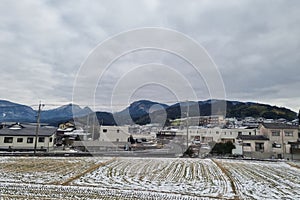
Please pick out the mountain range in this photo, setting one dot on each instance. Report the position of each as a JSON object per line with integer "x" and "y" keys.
{"x": 233, "y": 109}
{"x": 141, "y": 112}
{"x": 13, "y": 112}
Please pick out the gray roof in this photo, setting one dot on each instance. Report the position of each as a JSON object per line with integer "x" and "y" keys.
{"x": 279, "y": 126}
{"x": 28, "y": 131}
{"x": 252, "y": 137}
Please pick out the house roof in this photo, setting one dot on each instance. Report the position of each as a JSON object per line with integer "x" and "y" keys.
{"x": 252, "y": 137}
{"x": 27, "y": 131}
{"x": 279, "y": 126}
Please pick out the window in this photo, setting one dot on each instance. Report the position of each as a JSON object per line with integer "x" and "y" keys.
{"x": 8, "y": 139}
{"x": 104, "y": 130}
{"x": 288, "y": 133}
{"x": 275, "y": 145}
{"x": 118, "y": 131}
{"x": 30, "y": 140}
{"x": 275, "y": 133}
{"x": 259, "y": 146}
{"x": 50, "y": 139}
{"x": 207, "y": 139}
{"x": 217, "y": 132}
{"x": 247, "y": 144}
{"x": 19, "y": 140}
{"x": 41, "y": 139}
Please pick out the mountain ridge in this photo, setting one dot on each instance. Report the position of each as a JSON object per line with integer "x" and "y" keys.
{"x": 141, "y": 112}
{"x": 14, "y": 112}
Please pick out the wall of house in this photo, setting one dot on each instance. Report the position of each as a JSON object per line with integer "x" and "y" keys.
{"x": 258, "y": 155}
{"x": 281, "y": 140}
{"x": 26, "y": 142}
{"x": 250, "y": 146}
{"x": 216, "y": 134}
{"x": 114, "y": 134}
{"x": 269, "y": 151}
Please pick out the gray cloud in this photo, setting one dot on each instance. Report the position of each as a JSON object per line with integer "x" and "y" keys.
{"x": 255, "y": 45}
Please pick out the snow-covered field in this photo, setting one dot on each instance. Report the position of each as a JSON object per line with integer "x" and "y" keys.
{"x": 146, "y": 178}
{"x": 264, "y": 180}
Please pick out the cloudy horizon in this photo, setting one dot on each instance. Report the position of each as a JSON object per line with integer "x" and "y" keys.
{"x": 255, "y": 46}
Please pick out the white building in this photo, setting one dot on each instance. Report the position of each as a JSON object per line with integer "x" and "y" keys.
{"x": 21, "y": 137}
{"x": 210, "y": 121}
{"x": 121, "y": 134}
{"x": 114, "y": 134}
{"x": 205, "y": 135}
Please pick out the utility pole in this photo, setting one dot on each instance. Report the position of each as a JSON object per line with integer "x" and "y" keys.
{"x": 37, "y": 127}
{"x": 94, "y": 126}
{"x": 187, "y": 125}
{"x": 283, "y": 146}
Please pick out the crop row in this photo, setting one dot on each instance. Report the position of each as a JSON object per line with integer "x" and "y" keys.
{"x": 183, "y": 176}
{"x": 42, "y": 170}
{"x": 264, "y": 180}
{"x": 146, "y": 178}
{"x": 38, "y": 191}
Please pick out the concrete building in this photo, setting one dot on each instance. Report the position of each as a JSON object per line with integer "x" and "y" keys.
{"x": 280, "y": 137}
{"x": 205, "y": 135}
{"x": 209, "y": 121}
{"x": 18, "y": 137}
{"x": 114, "y": 133}
{"x": 213, "y": 120}
{"x": 121, "y": 134}
{"x": 254, "y": 146}
{"x": 114, "y": 138}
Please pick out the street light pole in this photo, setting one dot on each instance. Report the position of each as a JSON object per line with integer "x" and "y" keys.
{"x": 37, "y": 127}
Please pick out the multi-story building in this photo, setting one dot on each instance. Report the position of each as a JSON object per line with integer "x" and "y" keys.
{"x": 280, "y": 136}
{"x": 212, "y": 121}
{"x": 205, "y": 135}
{"x": 255, "y": 146}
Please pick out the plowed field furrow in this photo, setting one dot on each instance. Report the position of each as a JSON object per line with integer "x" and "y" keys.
{"x": 146, "y": 178}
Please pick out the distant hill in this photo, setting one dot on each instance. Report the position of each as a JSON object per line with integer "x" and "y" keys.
{"x": 13, "y": 112}
{"x": 141, "y": 112}
{"x": 138, "y": 109}
{"x": 255, "y": 110}
{"x": 64, "y": 113}
{"x": 233, "y": 109}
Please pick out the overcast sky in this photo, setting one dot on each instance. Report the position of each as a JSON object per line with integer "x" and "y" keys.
{"x": 254, "y": 44}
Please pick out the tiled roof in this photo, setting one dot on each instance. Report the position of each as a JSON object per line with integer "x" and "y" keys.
{"x": 279, "y": 126}
{"x": 252, "y": 137}
{"x": 27, "y": 131}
